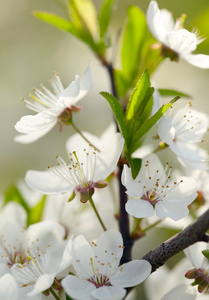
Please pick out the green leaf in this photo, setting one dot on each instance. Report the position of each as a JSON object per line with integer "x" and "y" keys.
{"x": 36, "y": 212}
{"x": 136, "y": 143}
{"x": 133, "y": 40}
{"x": 139, "y": 106}
{"x": 118, "y": 112}
{"x": 105, "y": 15}
{"x": 135, "y": 164}
{"x": 137, "y": 97}
{"x": 172, "y": 93}
{"x": 76, "y": 28}
{"x": 84, "y": 15}
{"x": 13, "y": 194}
{"x": 54, "y": 20}
{"x": 206, "y": 253}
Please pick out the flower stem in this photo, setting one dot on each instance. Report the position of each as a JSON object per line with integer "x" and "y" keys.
{"x": 136, "y": 226}
{"x": 151, "y": 226}
{"x": 81, "y": 134}
{"x": 97, "y": 214}
{"x": 53, "y": 293}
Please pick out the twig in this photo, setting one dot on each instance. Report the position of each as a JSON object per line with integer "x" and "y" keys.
{"x": 196, "y": 232}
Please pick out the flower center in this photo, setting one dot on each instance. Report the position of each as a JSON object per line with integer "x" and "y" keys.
{"x": 159, "y": 185}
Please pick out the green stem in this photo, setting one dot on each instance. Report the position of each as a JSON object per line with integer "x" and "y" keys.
{"x": 136, "y": 226}
{"x": 97, "y": 214}
{"x": 151, "y": 226}
{"x": 81, "y": 134}
{"x": 53, "y": 293}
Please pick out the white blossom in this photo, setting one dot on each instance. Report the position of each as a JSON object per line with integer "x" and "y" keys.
{"x": 87, "y": 167}
{"x": 52, "y": 107}
{"x": 99, "y": 275}
{"x": 176, "y": 41}
{"x": 182, "y": 132}
{"x": 154, "y": 190}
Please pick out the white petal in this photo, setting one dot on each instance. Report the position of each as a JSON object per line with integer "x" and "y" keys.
{"x": 34, "y": 127}
{"x": 77, "y": 288}
{"x": 66, "y": 257}
{"x": 132, "y": 185}
{"x": 166, "y": 131}
{"x": 47, "y": 231}
{"x": 167, "y": 19}
{"x": 131, "y": 273}
{"x": 77, "y": 89}
{"x": 139, "y": 208}
{"x": 81, "y": 254}
{"x": 193, "y": 253}
{"x": 198, "y": 60}
{"x": 109, "y": 293}
{"x": 182, "y": 41}
{"x": 108, "y": 158}
{"x": 155, "y": 22}
{"x": 181, "y": 292}
{"x": 108, "y": 243}
{"x": 172, "y": 209}
{"x": 43, "y": 283}
{"x": 8, "y": 288}
{"x": 47, "y": 182}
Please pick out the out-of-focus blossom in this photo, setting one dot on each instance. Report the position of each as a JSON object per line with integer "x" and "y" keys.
{"x": 175, "y": 40}
{"x": 99, "y": 275}
{"x": 52, "y": 108}
{"x": 8, "y": 288}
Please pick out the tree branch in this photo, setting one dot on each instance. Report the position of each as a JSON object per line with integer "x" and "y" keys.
{"x": 195, "y": 232}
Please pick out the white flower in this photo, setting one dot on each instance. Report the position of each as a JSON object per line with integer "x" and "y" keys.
{"x": 52, "y": 107}
{"x": 44, "y": 261}
{"x": 182, "y": 132}
{"x": 176, "y": 42}
{"x": 153, "y": 189}
{"x": 98, "y": 270}
{"x": 82, "y": 174}
{"x": 8, "y": 288}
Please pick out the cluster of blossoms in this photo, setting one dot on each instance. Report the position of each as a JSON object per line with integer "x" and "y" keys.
{"x": 50, "y": 258}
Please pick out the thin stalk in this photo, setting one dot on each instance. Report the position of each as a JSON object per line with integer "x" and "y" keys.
{"x": 151, "y": 226}
{"x": 136, "y": 226}
{"x": 97, "y": 214}
{"x": 53, "y": 293}
{"x": 81, "y": 134}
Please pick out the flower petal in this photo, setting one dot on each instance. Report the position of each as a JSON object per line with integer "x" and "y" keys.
{"x": 8, "y": 288}
{"x": 155, "y": 22}
{"x": 174, "y": 210}
{"x": 181, "y": 41}
{"x": 131, "y": 273}
{"x": 197, "y": 60}
{"x": 77, "y": 288}
{"x": 181, "y": 292}
{"x": 43, "y": 283}
{"x": 139, "y": 208}
{"x": 133, "y": 186}
{"x": 81, "y": 254}
{"x": 108, "y": 158}
{"x": 47, "y": 182}
{"x": 109, "y": 293}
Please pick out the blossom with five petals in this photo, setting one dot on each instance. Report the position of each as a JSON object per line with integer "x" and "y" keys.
{"x": 98, "y": 270}
{"x": 176, "y": 42}
{"x": 52, "y": 108}
{"x": 153, "y": 189}
{"x": 82, "y": 174}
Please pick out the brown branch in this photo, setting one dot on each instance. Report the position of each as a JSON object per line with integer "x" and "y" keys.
{"x": 195, "y": 232}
